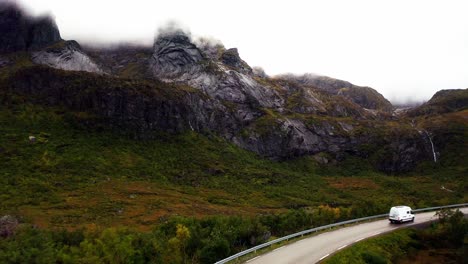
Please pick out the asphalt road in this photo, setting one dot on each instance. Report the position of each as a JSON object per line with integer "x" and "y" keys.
{"x": 317, "y": 248}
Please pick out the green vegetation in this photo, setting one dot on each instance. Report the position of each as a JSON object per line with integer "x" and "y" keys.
{"x": 443, "y": 242}
{"x": 75, "y": 183}
{"x": 74, "y": 176}
{"x": 444, "y": 101}
{"x": 93, "y": 182}
{"x": 176, "y": 240}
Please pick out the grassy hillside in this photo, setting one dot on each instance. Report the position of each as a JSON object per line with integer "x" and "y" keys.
{"x": 74, "y": 176}
{"x": 99, "y": 195}
{"x": 442, "y": 102}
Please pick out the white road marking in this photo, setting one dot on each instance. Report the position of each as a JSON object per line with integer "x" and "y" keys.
{"x": 342, "y": 247}
{"x": 279, "y": 248}
{"x": 324, "y": 256}
{"x": 359, "y": 239}
{"x": 252, "y": 259}
{"x": 376, "y": 233}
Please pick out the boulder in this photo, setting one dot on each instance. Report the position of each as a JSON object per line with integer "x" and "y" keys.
{"x": 8, "y": 225}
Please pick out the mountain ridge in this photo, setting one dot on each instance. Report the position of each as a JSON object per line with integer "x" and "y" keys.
{"x": 280, "y": 117}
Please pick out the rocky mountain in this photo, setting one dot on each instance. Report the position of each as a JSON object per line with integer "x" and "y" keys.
{"x": 182, "y": 84}
{"x": 22, "y": 32}
{"x": 66, "y": 55}
{"x": 443, "y": 101}
{"x": 363, "y": 96}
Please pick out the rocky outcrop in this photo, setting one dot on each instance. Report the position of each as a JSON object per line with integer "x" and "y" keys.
{"x": 175, "y": 56}
{"x": 177, "y": 59}
{"x": 288, "y": 138}
{"x": 67, "y": 56}
{"x": 137, "y": 107}
{"x": 21, "y": 32}
{"x": 364, "y": 96}
{"x": 232, "y": 59}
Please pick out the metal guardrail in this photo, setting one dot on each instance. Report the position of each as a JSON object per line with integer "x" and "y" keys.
{"x": 308, "y": 231}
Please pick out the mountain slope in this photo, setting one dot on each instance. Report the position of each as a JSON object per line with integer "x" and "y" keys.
{"x": 364, "y": 96}
{"x": 182, "y": 152}
{"x": 183, "y": 85}
{"x": 443, "y": 101}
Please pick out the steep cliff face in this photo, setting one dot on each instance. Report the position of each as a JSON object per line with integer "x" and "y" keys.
{"x": 137, "y": 107}
{"x": 67, "y": 56}
{"x": 21, "y": 32}
{"x": 177, "y": 59}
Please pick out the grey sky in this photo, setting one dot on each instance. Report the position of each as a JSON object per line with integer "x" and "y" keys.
{"x": 407, "y": 50}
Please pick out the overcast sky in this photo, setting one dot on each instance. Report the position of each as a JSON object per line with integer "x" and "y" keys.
{"x": 407, "y": 50}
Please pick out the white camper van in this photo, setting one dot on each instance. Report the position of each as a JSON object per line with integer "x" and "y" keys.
{"x": 400, "y": 214}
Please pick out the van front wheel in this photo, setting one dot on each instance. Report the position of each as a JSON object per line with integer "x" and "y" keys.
{"x": 412, "y": 219}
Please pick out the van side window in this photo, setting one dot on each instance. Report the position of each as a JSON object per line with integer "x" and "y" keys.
{"x": 407, "y": 212}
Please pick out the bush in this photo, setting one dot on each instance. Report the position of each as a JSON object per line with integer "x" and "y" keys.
{"x": 373, "y": 258}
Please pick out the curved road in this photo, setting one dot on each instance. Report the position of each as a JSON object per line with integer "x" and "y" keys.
{"x": 317, "y": 248}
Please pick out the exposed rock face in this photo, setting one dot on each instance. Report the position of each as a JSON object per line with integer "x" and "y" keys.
{"x": 231, "y": 58}
{"x": 66, "y": 56}
{"x": 363, "y": 96}
{"x": 174, "y": 55}
{"x": 137, "y": 107}
{"x": 20, "y": 32}
{"x": 176, "y": 59}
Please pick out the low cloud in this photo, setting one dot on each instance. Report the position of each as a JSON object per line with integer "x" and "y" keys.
{"x": 173, "y": 27}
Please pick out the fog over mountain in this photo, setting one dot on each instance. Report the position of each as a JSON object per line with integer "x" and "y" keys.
{"x": 407, "y": 51}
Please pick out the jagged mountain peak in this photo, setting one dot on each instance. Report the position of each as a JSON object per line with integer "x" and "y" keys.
{"x": 66, "y": 55}
{"x": 174, "y": 54}
{"x": 20, "y": 31}
{"x": 177, "y": 36}
{"x": 232, "y": 59}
